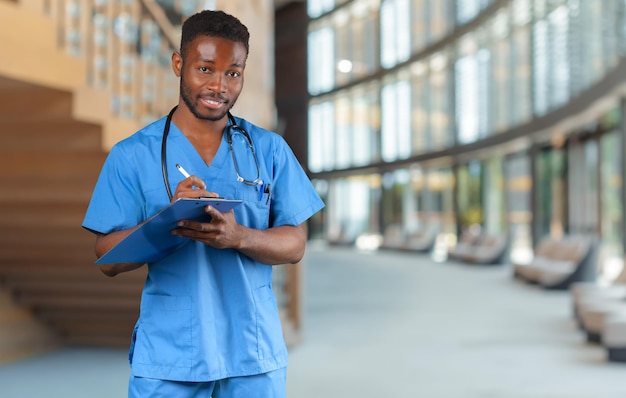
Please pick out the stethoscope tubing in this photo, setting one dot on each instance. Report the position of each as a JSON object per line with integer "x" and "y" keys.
{"x": 233, "y": 126}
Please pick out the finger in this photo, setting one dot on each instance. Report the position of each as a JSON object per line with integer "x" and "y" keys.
{"x": 193, "y": 225}
{"x": 194, "y": 181}
{"x": 207, "y": 194}
{"x": 190, "y": 182}
{"x": 214, "y": 213}
{"x": 196, "y": 193}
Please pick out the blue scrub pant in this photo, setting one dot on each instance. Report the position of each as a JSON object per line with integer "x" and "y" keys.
{"x": 265, "y": 385}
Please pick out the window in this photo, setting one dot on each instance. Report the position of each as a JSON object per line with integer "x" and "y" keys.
{"x": 364, "y": 57}
{"x": 365, "y": 124}
{"x": 395, "y": 31}
{"x": 315, "y": 8}
{"x": 472, "y": 74}
{"x": 420, "y": 109}
{"x": 321, "y": 136}
{"x": 441, "y": 21}
{"x": 520, "y": 101}
{"x": 494, "y": 199}
{"x": 549, "y": 217}
{"x": 583, "y": 187}
{"x": 321, "y": 60}
{"x": 440, "y": 110}
{"x": 343, "y": 132}
{"x": 395, "y": 118}
{"x": 552, "y": 60}
{"x": 349, "y": 207}
{"x": 470, "y": 193}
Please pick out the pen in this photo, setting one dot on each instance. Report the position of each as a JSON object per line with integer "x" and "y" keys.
{"x": 182, "y": 171}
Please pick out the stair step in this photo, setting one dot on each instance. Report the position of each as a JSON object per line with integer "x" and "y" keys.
{"x": 23, "y": 101}
{"x": 91, "y": 340}
{"x": 55, "y": 236}
{"x": 28, "y": 164}
{"x": 27, "y": 337}
{"x": 24, "y": 253}
{"x": 59, "y": 135}
{"x": 59, "y": 317}
{"x": 49, "y": 176}
{"x": 39, "y": 190}
{"x": 73, "y": 273}
{"x": 69, "y": 303}
{"x": 58, "y": 288}
{"x": 49, "y": 213}
{"x": 13, "y": 315}
{"x": 46, "y": 183}
{"x": 120, "y": 327}
{"x": 51, "y": 256}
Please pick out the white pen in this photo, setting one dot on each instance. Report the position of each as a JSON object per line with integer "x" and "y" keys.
{"x": 182, "y": 171}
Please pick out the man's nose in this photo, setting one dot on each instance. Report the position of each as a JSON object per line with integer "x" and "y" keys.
{"x": 216, "y": 82}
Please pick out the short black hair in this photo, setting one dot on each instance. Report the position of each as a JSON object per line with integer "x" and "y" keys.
{"x": 214, "y": 24}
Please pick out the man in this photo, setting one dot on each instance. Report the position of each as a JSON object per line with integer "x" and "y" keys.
{"x": 209, "y": 324}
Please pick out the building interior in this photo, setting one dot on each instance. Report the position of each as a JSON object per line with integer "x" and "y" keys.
{"x": 476, "y": 144}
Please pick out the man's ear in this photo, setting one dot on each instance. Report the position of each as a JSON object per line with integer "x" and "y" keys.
{"x": 177, "y": 63}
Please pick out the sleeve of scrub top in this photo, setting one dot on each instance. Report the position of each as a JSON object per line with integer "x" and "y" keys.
{"x": 116, "y": 202}
{"x": 293, "y": 198}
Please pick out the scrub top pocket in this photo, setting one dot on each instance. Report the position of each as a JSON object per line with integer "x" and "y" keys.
{"x": 254, "y": 212}
{"x": 270, "y": 340}
{"x": 164, "y": 337}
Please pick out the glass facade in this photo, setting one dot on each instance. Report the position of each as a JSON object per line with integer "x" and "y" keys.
{"x": 414, "y": 90}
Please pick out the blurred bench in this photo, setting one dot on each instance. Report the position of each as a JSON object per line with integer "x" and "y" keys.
{"x": 558, "y": 263}
{"x": 614, "y": 338}
{"x": 600, "y": 312}
{"x": 476, "y": 248}
{"x": 422, "y": 240}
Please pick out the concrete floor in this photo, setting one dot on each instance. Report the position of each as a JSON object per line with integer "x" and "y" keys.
{"x": 392, "y": 325}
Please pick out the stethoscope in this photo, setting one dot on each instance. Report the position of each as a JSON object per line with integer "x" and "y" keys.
{"x": 231, "y": 129}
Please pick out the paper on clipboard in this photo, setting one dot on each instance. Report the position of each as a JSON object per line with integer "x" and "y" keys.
{"x": 153, "y": 239}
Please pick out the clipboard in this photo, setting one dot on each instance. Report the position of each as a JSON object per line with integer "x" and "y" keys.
{"x": 153, "y": 239}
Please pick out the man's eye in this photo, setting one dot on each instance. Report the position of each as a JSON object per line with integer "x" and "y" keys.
{"x": 204, "y": 69}
{"x": 234, "y": 74}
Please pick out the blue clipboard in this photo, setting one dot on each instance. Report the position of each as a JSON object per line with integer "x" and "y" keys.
{"x": 153, "y": 239}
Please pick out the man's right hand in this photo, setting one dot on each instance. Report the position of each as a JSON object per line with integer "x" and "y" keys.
{"x": 192, "y": 187}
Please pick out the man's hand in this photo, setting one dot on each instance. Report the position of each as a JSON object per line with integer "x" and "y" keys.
{"x": 277, "y": 245}
{"x": 192, "y": 187}
{"x": 221, "y": 232}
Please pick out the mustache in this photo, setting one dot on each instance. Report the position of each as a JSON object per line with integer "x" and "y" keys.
{"x": 214, "y": 97}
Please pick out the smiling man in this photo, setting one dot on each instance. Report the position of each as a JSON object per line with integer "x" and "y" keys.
{"x": 209, "y": 323}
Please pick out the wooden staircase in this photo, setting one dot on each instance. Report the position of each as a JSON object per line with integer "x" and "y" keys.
{"x": 49, "y": 163}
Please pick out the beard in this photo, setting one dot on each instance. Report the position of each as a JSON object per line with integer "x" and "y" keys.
{"x": 186, "y": 95}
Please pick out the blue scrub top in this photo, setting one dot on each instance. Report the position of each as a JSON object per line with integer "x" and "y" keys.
{"x": 206, "y": 314}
